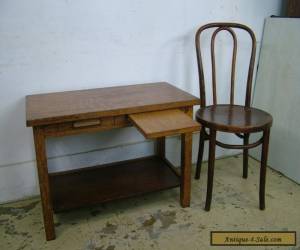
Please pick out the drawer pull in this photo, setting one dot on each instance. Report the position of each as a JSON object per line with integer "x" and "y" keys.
{"x": 87, "y": 123}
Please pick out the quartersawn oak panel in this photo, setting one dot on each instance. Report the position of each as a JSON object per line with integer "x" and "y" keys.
{"x": 164, "y": 123}
{"x": 66, "y": 106}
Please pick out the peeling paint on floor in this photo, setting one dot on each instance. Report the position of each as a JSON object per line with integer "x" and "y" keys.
{"x": 156, "y": 221}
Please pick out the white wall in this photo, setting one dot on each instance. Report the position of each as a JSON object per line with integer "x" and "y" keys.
{"x": 64, "y": 45}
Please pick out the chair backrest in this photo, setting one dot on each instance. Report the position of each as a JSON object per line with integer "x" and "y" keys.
{"x": 226, "y": 27}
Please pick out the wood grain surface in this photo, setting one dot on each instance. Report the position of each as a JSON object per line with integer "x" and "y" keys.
{"x": 88, "y": 186}
{"x": 234, "y": 118}
{"x": 164, "y": 123}
{"x": 66, "y": 106}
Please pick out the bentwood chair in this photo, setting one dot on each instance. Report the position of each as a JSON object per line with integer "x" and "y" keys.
{"x": 231, "y": 118}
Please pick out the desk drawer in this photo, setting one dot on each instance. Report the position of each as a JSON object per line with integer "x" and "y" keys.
{"x": 95, "y": 124}
{"x": 88, "y": 125}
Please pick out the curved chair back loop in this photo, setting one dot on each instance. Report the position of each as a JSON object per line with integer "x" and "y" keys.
{"x": 229, "y": 28}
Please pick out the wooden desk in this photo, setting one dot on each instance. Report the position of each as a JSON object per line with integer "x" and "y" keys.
{"x": 74, "y": 112}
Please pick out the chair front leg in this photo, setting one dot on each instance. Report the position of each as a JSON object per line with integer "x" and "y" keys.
{"x": 200, "y": 153}
{"x": 245, "y": 157}
{"x": 263, "y": 168}
{"x": 211, "y": 165}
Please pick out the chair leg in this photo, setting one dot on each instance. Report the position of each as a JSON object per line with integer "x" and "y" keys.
{"x": 211, "y": 165}
{"x": 245, "y": 157}
{"x": 200, "y": 154}
{"x": 263, "y": 168}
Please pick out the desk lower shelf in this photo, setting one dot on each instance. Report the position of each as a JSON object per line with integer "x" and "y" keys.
{"x": 98, "y": 184}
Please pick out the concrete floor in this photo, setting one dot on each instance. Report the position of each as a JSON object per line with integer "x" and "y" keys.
{"x": 156, "y": 221}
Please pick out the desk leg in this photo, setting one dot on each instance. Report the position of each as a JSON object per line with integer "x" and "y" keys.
{"x": 41, "y": 160}
{"x": 161, "y": 147}
{"x": 186, "y": 161}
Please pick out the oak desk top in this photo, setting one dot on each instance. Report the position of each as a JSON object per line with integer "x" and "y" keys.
{"x": 59, "y": 107}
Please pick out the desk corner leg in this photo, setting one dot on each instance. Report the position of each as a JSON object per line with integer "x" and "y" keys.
{"x": 42, "y": 168}
{"x": 161, "y": 147}
{"x": 186, "y": 162}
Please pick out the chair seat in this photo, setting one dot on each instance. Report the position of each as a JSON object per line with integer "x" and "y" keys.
{"x": 234, "y": 118}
